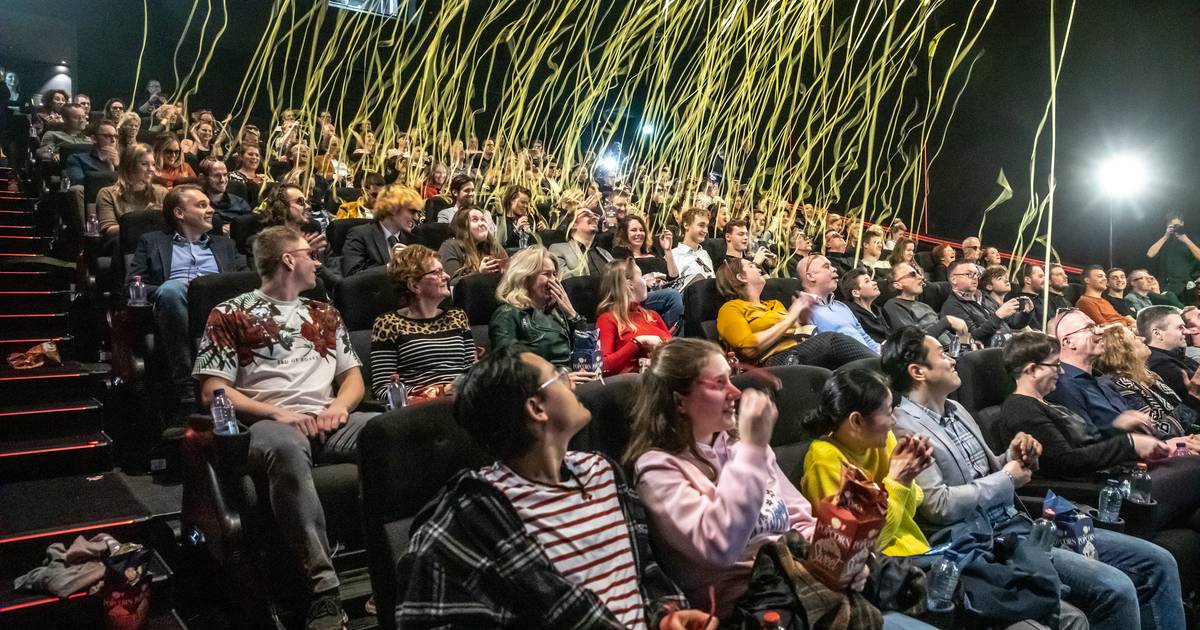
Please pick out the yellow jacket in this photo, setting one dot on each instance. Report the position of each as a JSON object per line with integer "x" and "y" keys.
{"x": 823, "y": 478}
{"x": 352, "y": 210}
{"x": 738, "y": 321}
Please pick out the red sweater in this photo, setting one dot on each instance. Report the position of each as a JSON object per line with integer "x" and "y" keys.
{"x": 621, "y": 352}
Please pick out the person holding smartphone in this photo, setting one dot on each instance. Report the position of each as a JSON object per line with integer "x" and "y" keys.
{"x": 1178, "y": 256}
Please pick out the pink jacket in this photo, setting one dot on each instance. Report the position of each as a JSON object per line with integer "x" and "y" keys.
{"x": 708, "y": 534}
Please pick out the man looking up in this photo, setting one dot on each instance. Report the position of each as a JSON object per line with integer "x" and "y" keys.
{"x": 907, "y": 309}
{"x": 568, "y": 518}
{"x": 820, "y": 280}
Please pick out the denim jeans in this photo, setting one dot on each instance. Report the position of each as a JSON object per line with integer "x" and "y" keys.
{"x": 668, "y": 303}
{"x": 171, "y": 319}
{"x": 1134, "y": 584}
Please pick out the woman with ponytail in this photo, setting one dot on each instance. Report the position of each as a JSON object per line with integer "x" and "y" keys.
{"x": 700, "y": 455}
{"x": 855, "y": 422}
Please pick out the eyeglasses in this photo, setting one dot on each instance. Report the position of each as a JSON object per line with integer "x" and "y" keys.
{"x": 308, "y": 251}
{"x": 1096, "y": 329}
{"x": 170, "y": 152}
{"x": 969, "y": 274}
{"x": 438, "y": 271}
{"x": 1057, "y": 365}
{"x": 912, "y": 274}
{"x": 562, "y": 374}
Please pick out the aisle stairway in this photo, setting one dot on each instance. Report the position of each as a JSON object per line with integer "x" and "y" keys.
{"x": 57, "y": 479}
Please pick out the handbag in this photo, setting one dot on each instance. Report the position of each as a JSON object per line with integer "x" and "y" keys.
{"x": 779, "y": 582}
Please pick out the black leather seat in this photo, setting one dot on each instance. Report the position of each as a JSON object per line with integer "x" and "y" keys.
{"x": 406, "y": 456}
{"x": 241, "y": 228}
{"x": 985, "y": 385}
{"x": 550, "y": 237}
{"x": 476, "y": 295}
{"x": 716, "y": 248}
{"x": 584, "y": 293}
{"x": 611, "y": 404}
{"x": 782, "y": 289}
{"x": 935, "y": 294}
{"x": 361, "y": 298}
{"x": 925, "y": 261}
{"x": 799, "y": 395}
{"x": 701, "y": 302}
{"x": 336, "y": 233}
{"x": 432, "y": 235}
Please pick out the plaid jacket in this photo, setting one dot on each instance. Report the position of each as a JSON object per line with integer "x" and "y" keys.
{"x": 470, "y": 564}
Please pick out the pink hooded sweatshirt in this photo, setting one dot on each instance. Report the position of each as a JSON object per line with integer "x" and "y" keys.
{"x": 708, "y": 533}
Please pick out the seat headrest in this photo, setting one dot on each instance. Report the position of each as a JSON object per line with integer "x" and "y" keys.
{"x": 364, "y": 296}
{"x": 985, "y": 381}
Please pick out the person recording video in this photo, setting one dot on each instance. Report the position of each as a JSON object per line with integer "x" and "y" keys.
{"x": 1178, "y": 257}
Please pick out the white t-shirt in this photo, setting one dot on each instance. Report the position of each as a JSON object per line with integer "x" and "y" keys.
{"x": 280, "y": 353}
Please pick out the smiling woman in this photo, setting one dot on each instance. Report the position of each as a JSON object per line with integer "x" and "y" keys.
{"x": 421, "y": 345}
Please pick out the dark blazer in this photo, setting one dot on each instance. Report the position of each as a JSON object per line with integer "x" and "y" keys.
{"x": 872, "y": 321}
{"x": 1172, "y": 367}
{"x": 152, "y": 258}
{"x": 366, "y": 247}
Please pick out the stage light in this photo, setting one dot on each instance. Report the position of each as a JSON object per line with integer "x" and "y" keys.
{"x": 610, "y": 163}
{"x": 1122, "y": 176}
{"x": 647, "y": 129}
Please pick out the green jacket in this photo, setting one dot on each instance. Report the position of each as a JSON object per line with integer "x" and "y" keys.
{"x": 547, "y": 335}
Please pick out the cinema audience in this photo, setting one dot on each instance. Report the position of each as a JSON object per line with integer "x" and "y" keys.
{"x": 969, "y": 488}
{"x": 472, "y": 249}
{"x": 1123, "y": 365}
{"x": 535, "y": 311}
{"x": 1092, "y": 302}
{"x": 168, "y": 158}
{"x": 859, "y": 292}
{"x": 1115, "y": 295}
{"x": 1163, "y": 329}
{"x": 907, "y": 309}
{"x": 827, "y": 315}
{"x": 996, "y": 289}
{"x": 372, "y": 244}
{"x": 987, "y": 326}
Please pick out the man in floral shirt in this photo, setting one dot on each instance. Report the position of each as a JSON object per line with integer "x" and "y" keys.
{"x": 278, "y": 357}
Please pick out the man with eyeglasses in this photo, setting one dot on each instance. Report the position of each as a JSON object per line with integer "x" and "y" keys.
{"x": 835, "y": 250}
{"x": 966, "y": 303}
{"x": 820, "y": 281}
{"x": 1078, "y": 389}
{"x": 278, "y": 357}
{"x": 568, "y": 520}
{"x": 907, "y": 309}
{"x": 1092, "y": 302}
{"x": 1138, "y": 293}
{"x": 970, "y": 488}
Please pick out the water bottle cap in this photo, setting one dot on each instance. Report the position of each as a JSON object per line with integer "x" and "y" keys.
{"x": 1048, "y": 514}
{"x": 219, "y": 392}
{"x": 1141, "y": 466}
{"x": 771, "y": 617}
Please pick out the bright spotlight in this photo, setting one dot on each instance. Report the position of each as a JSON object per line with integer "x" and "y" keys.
{"x": 647, "y": 129}
{"x": 610, "y": 163}
{"x": 1122, "y": 176}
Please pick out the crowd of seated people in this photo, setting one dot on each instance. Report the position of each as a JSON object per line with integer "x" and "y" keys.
{"x": 1112, "y": 383}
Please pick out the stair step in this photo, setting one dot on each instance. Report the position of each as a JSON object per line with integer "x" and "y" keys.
{"x": 73, "y": 380}
{"x": 82, "y": 454}
{"x": 15, "y": 229}
{"x": 24, "y": 245}
{"x": 49, "y": 419}
{"x": 35, "y": 300}
{"x": 37, "y": 513}
{"x": 35, "y": 281}
{"x": 15, "y": 343}
{"x": 35, "y": 324}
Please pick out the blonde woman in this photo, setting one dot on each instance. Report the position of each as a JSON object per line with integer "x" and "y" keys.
{"x": 127, "y": 130}
{"x": 628, "y": 332}
{"x": 133, "y": 191}
{"x": 1124, "y": 365}
{"x": 535, "y": 311}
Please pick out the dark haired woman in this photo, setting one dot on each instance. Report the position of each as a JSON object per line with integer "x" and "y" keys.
{"x": 473, "y": 249}
{"x": 855, "y": 421}
{"x": 764, "y": 332}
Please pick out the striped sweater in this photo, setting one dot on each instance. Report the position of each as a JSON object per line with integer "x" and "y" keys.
{"x": 422, "y": 351}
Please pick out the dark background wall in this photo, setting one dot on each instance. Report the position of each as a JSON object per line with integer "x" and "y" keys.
{"x": 1131, "y": 82}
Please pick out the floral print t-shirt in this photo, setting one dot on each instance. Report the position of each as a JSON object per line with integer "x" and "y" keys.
{"x": 281, "y": 353}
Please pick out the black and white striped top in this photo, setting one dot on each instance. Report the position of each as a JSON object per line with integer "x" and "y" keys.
{"x": 422, "y": 351}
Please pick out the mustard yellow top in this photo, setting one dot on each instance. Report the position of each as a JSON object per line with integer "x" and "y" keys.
{"x": 738, "y": 321}
{"x": 823, "y": 478}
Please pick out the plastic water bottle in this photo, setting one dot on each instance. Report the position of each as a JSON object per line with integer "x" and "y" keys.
{"x": 1044, "y": 533}
{"x": 1109, "y": 508}
{"x": 92, "y": 225}
{"x": 223, "y": 415}
{"x": 523, "y": 238}
{"x": 1181, "y": 450}
{"x": 137, "y": 292}
{"x": 64, "y": 183}
{"x": 943, "y": 580}
{"x": 397, "y": 394}
{"x": 1139, "y": 485}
